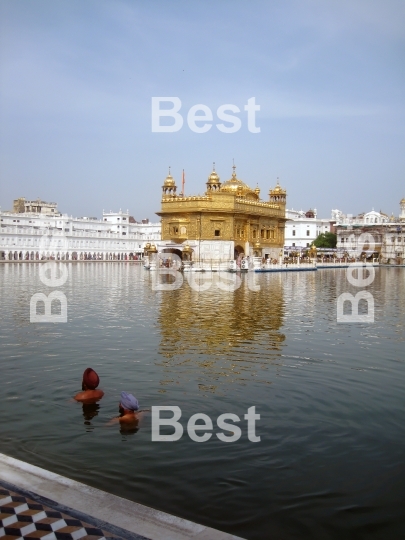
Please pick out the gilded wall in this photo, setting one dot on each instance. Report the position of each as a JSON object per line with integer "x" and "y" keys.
{"x": 229, "y": 211}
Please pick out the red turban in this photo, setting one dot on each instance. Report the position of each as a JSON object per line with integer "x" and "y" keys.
{"x": 91, "y": 379}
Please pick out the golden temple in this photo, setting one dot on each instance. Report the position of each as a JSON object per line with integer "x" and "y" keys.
{"x": 229, "y": 220}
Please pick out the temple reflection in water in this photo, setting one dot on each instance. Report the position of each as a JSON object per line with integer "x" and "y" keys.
{"x": 224, "y": 337}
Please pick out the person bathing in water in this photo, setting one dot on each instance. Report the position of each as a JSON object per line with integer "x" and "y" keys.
{"x": 89, "y": 393}
{"x": 129, "y": 411}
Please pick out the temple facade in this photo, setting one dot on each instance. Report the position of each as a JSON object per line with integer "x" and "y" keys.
{"x": 228, "y": 221}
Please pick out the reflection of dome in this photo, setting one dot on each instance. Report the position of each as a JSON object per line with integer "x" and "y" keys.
{"x": 239, "y": 320}
{"x": 234, "y": 185}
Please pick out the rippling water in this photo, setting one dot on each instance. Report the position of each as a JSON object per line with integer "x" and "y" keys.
{"x": 330, "y": 464}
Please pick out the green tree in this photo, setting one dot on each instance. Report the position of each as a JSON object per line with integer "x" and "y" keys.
{"x": 325, "y": 240}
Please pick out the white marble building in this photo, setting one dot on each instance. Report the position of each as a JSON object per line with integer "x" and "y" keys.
{"x": 386, "y": 235}
{"x": 36, "y": 236}
{"x": 302, "y": 228}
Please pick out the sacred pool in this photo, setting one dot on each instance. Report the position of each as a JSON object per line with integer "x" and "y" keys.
{"x": 330, "y": 460}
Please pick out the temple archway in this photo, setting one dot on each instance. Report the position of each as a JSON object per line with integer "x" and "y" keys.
{"x": 178, "y": 252}
{"x": 238, "y": 251}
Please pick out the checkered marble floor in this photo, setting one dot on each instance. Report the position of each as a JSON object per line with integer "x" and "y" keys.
{"x": 24, "y": 518}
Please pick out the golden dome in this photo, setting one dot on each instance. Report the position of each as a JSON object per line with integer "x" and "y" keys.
{"x": 277, "y": 191}
{"x": 213, "y": 178}
{"x": 234, "y": 185}
{"x": 187, "y": 249}
{"x": 169, "y": 181}
{"x": 278, "y": 188}
{"x": 402, "y": 201}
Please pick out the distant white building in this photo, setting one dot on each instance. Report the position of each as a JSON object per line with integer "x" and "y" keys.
{"x": 37, "y": 236}
{"x": 302, "y": 228}
{"x": 369, "y": 218}
{"x": 386, "y": 235}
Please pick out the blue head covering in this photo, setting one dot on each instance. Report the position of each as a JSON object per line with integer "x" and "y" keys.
{"x": 129, "y": 402}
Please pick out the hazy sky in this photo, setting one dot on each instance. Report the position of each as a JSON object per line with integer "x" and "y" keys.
{"x": 78, "y": 77}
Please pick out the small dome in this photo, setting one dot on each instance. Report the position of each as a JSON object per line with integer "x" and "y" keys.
{"x": 278, "y": 190}
{"x": 213, "y": 178}
{"x": 402, "y": 201}
{"x": 169, "y": 181}
{"x": 187, "y": 249}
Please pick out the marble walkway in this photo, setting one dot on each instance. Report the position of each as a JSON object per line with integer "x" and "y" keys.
{"x": 36, "y": 503}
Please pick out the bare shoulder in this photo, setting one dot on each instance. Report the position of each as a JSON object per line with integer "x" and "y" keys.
{"x": 89, "y": 396}
{"x": 129, "y": 419}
